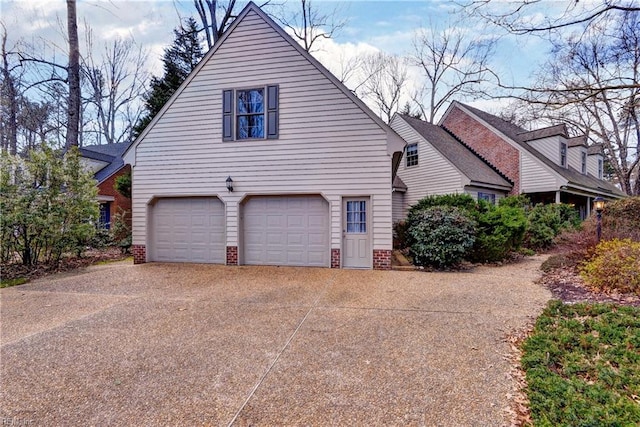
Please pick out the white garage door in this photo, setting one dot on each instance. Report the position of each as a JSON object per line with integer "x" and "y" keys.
{"x": 286, "y": 230}
{"x": 188, "y": 230}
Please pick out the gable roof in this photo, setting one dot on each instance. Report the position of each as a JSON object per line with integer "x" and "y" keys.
{"x": 518, "y": 136}
{"x": 395, "y": 144}
{"x": 110, "y": 153}
{"x": 465, "y": 160}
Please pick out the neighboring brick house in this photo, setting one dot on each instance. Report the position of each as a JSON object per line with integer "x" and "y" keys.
{"x": 105, "y": 161}
{"x": 545, "y": 164}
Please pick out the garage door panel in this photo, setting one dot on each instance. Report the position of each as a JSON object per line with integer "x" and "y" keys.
{"x": 286, "y": 230}
{"x": 188, "y": 230}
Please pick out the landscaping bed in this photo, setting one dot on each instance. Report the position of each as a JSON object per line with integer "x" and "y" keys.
{"x": 16, "y": 273}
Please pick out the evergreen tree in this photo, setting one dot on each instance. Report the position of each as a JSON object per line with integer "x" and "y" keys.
{"x": 179, "y": 60}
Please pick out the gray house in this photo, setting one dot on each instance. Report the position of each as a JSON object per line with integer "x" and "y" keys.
{"x": 262, "y": 156}
{"x": 436, "y": 163}
{"x": 545, "y": 164}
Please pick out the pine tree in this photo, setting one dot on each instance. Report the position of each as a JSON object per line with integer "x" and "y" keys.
{"x": 179, "y": 60}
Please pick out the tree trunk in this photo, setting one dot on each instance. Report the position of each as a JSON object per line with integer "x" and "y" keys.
{"x": 11, "y": 131}
{"x": 73, "y": 109}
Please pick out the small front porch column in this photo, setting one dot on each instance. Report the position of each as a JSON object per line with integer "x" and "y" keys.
{"x": 557, "y": 198}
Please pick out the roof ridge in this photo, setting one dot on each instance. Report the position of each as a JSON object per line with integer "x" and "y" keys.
{"x": 478, "y": 155}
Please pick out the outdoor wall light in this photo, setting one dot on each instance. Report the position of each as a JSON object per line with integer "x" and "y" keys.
{"x": 598, "y": 206}
{"x": 229, "y": 182}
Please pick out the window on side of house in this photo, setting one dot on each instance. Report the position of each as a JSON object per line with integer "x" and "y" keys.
{"x": 250, "y": 113}
{"x": 600, "y": 168}
{"x": 104, "y": 221}
{"x": 487, "y": 197}
{"x": 563, "y": 154}
{"x": 412, "y": 155}
{"x": 584, "y": 163}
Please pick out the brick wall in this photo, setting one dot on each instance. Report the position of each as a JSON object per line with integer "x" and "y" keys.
{"x": 106, "y": 188}
{"x": 382, "y": 259}
{"x": 139, "y": 254}
{"x": 232, "y": 255}
{"x": 483, "y": 141}
{"x": 335, "y": 258}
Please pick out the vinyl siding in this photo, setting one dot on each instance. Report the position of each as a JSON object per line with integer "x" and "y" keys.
{"x": 398, "y": 209}
{"x": 592, "y": 164}
{"x": 549, "y": 147}
{"x": 575, "y": 157}
{"x": 327, "y": 145}
{"x": 535, "y": 178}
{"x": 433, "y": 175}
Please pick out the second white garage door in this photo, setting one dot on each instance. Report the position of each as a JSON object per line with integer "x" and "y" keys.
{"x": 286, "y": 230}
{"x": 188, "y": 229}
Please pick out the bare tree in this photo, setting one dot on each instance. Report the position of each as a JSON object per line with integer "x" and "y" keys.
{"x": 309, "y": 24}
{"x": 9, "y": 103}
{"x": 452, "y": 63}
{"x": 593, "y": 83}
{"x": 115, "y": 85}
{"x": 516, "y": 18}
{"x": 73, "y": 70}
{"x": 215, "y": 16}
{"x": 384, "y": 83}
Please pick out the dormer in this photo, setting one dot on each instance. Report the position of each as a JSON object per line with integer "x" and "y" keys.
{"x": 551, "y": 141}
{"x": 595, "y": 161}
{"x": 577, "y": 147}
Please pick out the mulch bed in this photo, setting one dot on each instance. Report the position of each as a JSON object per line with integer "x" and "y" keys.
{"x": 566, "y": 285}
{"x": 90, "y": 257}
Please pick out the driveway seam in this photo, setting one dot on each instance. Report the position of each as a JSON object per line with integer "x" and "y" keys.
{"x": 275, "y": 360}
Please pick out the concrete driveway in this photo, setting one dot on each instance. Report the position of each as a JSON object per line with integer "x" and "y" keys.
{"x": 169, "y": 344}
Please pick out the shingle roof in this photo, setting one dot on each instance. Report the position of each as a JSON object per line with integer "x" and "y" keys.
{"x": 544, "y": 132}
{"x": 465, "y": 160}
{"x": 515, "y": 133}
{"x": 399, "y": 184}
{"x": 111, "y": 153}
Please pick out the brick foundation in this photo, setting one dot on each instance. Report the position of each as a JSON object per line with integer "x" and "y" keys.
{"x": 335, "y": 258}
{"x": 139, "y": 254}
{"x": 232, "y": 255}
{"x": 382, "y": 259}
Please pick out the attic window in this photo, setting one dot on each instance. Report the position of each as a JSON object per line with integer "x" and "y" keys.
{"x": 563, "y": 154}
{"x": 584, "y": 162}
{"x": 250, "y": 113}
{"x": 412, "y": 155}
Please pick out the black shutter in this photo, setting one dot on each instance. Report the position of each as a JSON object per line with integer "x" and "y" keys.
{"x": 272, "y": 112}
{"x": 227, "y": 115}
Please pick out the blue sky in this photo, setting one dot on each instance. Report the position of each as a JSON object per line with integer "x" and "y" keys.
{"x": 371, "y": 25}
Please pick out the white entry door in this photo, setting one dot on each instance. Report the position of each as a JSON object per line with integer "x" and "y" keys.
{"x": 356, "y": 232}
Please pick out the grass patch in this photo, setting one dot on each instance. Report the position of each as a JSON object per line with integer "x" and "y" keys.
{"x": 6, "y": 283}
{"x": 111, "y": 261}
{"x": 582, "y": 365}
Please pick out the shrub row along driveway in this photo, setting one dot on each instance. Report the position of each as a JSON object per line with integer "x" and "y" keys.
{"x": 161, "y": 344}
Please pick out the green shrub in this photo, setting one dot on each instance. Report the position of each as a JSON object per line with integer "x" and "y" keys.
{"x": 614, "y": 266}
{"x": 546, "y": 222}
{"x": 500, "y": 231}
{"x": 519, "y": 201}
{"x": 120, "y": 231}
{"x": 400, "y": 236}
{"x": 123, "y": 185}
{"x": 441, "y": 236}
{"x": 462, "y": 201}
